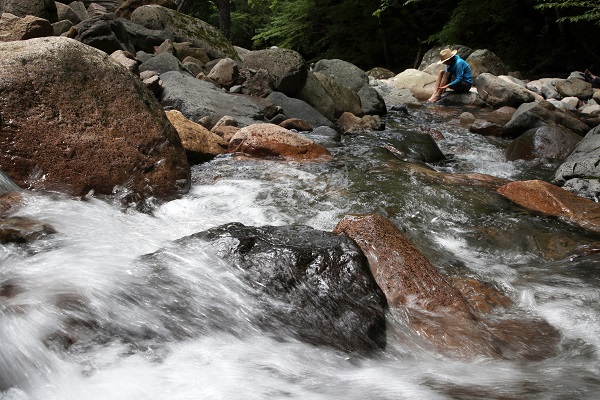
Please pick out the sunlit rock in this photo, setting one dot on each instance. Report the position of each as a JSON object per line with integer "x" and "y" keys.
{"x": 199, "y": 143}
{"x": 273, "y": 141}
{"x": 549, "y": 199}
{"x": 498, "y": 92}
{"x": 28, "y": 27}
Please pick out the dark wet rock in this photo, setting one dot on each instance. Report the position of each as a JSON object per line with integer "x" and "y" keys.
{"x": 314, "y": 282}
{"x": 546, "y": 142}
{"x": 486, "y": 128}
{"x": 419, "y": 147}
{"x": 22, "y": 230}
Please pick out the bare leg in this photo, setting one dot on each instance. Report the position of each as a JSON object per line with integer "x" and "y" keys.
{"x": 442, "y": 80}
{"x": 589, "y": 74}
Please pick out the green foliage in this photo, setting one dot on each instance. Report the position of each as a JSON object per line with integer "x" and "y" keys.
{"x": 584, "y": 10}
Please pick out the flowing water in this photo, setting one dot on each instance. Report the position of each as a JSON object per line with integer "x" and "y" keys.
{"x": 81, "y": 317}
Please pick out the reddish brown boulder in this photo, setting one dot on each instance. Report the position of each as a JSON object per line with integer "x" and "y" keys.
{"x": 273, "y": 141}
{"x": 297, "y": 124}
{"x": 75, "y": 121}
{"x": 417, "y": 293}
{"x": 28, "y": 27}
{"x": 404, "y": 274}
{"x": 482, "y": 298}
{"x": 549, "y": 199}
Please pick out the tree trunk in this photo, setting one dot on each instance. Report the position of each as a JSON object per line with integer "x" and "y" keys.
{"x": 224, "y": 7}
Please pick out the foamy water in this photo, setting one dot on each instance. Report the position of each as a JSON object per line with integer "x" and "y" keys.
{"x": 91, "y": 320}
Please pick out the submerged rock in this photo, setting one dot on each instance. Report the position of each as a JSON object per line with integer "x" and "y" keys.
{"x": 549, "y": 199}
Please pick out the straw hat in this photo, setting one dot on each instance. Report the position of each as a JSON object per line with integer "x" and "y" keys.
{"x": 446, "y": 54}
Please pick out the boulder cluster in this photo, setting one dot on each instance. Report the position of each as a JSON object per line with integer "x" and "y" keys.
{"x": 154, "y": 91}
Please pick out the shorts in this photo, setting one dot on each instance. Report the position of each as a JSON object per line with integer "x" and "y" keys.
{"x": 461, "y": 87}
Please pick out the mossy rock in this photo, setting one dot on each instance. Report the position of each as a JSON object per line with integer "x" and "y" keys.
{"x": 185, "y": 29}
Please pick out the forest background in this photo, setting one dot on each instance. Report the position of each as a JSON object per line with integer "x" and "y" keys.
{"x": 536, "y": 37}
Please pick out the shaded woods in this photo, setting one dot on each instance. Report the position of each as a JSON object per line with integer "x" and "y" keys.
{"x": 531, "y": 36}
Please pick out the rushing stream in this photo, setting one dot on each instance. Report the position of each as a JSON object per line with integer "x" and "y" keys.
{"x": 87, "y": 282}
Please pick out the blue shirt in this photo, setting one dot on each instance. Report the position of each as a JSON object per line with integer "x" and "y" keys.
{"x": 460, "y": 70}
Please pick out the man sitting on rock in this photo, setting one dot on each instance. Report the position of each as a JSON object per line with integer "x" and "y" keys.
{"x": 457, "y": 72}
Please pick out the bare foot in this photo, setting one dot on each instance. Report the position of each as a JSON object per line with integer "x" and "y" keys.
{"x": 433, "y": 99}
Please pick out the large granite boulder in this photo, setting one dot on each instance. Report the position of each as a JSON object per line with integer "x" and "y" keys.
{"x": 574, "y": 87}
{"x": 344, "y": 99}
{"x": 198, "y": 99}
{"x": 580, "y": 172}
{"x": 539, "y": 113}
{"x": 314, "y": 93}
{"x": 498, "y": 92}
{"x": 75, "y": 121}
{"x": 185, "y": 28}
{"x": 432, "y": 56}
{"x": 314, "y": 283}
{"x": 547, "y": 142}
{"x": 286, "y": 69}
{"x": 421, "y": 84}
{"x": 355, "y": 79}
{"x": 45, "y": 9}
{"x": 484, "y": 60}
